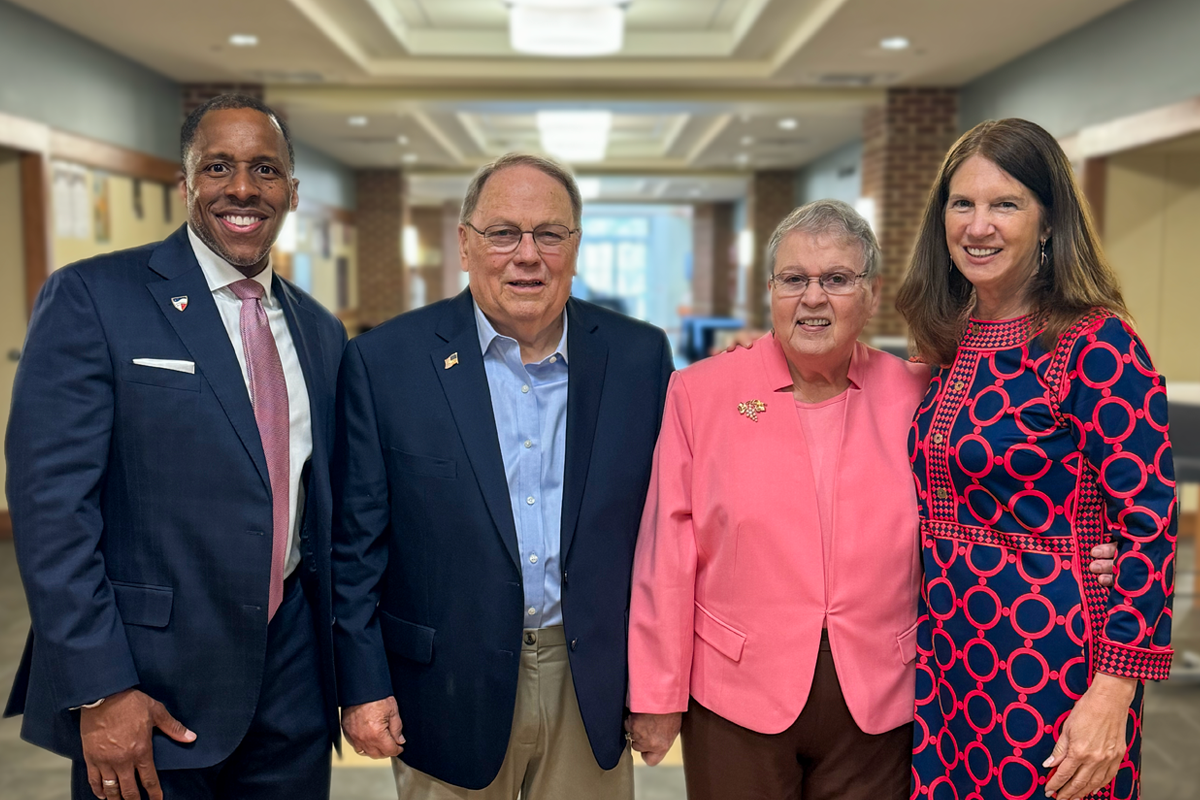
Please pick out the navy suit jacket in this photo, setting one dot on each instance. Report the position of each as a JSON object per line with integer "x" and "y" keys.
{"x": 423, "y": 527}
{"x": 141, "y": 506}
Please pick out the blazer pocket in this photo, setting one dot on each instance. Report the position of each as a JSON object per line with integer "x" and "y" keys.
{"x": 427, "y": 466}
{"x": 156, "y": 376}
{"x": 143, "y": 605}
{"x": 407, "y": 639}
{"x": 727, "y": 640}
{"x": 907, "y": 642}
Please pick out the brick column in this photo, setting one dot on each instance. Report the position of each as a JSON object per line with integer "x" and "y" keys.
{"x": 451, "y": 263}
{"x": 904, "y": 143}
{"x": 713, "y": 260}
{"x": 382, "y": 276}
{"x": 772, "y": 197}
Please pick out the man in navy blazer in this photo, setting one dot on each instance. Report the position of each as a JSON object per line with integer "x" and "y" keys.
{"x": 492, "y": 458}
{"x": 171, "y": 534}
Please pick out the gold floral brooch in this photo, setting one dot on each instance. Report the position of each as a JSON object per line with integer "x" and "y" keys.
{"x": 751, "y": 409}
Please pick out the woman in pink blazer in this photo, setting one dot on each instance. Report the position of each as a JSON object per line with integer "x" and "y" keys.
{"x": 777, "y": 570}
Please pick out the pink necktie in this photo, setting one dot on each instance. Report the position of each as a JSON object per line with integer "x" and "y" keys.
{"x": 268, "y": 395}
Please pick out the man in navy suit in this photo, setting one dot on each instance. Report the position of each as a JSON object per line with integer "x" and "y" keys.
{"x": 169, "y": 489}
{"x": 492, "y": 458}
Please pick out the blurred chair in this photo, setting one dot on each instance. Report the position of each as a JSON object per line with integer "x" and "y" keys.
{"x": 698, "y": 333}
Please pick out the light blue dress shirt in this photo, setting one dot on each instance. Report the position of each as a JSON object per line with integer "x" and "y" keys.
{"x": 529, "y": 402}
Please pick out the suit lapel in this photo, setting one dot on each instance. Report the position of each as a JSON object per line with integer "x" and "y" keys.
{"x": 305, "y": 336}
{"x": 466, "y": 388}
{"x": 586, "y": 365}
{"x": 200, "y": 328}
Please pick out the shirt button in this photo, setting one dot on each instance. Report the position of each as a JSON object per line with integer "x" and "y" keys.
{"x": 529, "y": 501}
{"x": 937, "y": 438}
{"x": 942, "y": 494}
{"x": 533, "y": 559}
{"x": 528, "y": 443}
{"x": 532, "y": 611}
{"x": 553, "y": 359}
{"x": 525, "y": 388}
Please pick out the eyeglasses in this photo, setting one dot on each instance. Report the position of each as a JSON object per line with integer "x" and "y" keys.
{"x": 547, "y": 238}
{"x": 793, "y": 284}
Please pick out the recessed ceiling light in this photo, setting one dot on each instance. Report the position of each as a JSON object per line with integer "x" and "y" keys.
{"x": 747, "y": 141}
{"x": 742, "y": 158}
{"x": 894, "y": 43}
{"x": 788, "y": 124}
{"x": 243, "y": 40}
{"x": 402, "y": 139}
{"x": 357, "y": 122}
{"x": 409, "y": 158}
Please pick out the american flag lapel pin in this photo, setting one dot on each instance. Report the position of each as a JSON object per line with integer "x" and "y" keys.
{"x": 180, "y": 302}
{"x": 451, "y": 360}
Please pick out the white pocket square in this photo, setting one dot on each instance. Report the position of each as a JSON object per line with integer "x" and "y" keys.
{"x": 167, "y": 363}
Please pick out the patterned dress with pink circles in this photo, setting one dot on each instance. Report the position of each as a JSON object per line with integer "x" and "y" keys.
{"x": 1024, "y": 460}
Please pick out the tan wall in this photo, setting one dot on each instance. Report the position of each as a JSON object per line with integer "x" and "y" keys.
{"x": 1151, "y": 213}
{"x": 12, "y": 287}
{"x": 323, "y": 257}
{"x": 125, "y": 229}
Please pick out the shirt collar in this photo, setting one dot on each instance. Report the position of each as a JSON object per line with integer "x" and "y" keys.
{"x": 488, "y": 333}
{"x": 777, "y": 366}
{"x": 219, "y": 273}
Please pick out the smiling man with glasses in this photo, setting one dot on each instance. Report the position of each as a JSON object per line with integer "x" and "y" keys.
{"x": 493, "y": 456}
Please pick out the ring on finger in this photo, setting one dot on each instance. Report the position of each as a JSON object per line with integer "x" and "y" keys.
{"x": 108, "y": 782}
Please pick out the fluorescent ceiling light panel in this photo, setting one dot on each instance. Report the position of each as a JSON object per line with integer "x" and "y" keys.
{"x": 357, "y": 122}
{"x": 788, "y": 124}
{"x": 243, "y": 40}
{"x": 575, "y": 136}
{"x": 894, "y": 43}
{"x": 566, "y": 28}
{"x": 589, "y": 188}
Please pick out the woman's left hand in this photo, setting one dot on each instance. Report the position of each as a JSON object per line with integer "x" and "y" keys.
{"x": 1091, "y": 747}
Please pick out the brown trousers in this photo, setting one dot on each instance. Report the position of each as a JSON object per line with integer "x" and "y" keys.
{"x": 824, "y": 755}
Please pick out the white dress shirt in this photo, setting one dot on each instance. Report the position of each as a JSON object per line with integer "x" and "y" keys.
{"x": 220, "y": 274}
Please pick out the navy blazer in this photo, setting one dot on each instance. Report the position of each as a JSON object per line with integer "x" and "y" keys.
{"x": 141, "y": 505}
{"x": 423, "y": 527}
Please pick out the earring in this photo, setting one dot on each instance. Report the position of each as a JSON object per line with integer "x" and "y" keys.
{"x": 1043, "y": 252}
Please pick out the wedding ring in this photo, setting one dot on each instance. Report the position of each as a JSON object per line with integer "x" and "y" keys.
{"x": 108, "y": 782}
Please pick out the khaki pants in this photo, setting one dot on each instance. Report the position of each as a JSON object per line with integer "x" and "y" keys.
{"x": 548, "y": 756}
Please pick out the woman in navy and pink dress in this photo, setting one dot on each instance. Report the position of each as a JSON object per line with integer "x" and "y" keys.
{"x": 1043, "y": 433}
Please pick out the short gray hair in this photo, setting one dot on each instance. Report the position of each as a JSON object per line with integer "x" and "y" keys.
{"x": 541, "y": 163}
{"x": 830, "y": 217}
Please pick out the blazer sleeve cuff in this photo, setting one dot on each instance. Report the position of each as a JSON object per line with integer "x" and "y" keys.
{"x": 1126, "y": 661}
{"x": 363, "y": 675}
{"x": 87, "y": 677}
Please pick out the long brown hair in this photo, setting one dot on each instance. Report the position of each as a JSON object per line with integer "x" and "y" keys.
{"x": 935, "y": 298}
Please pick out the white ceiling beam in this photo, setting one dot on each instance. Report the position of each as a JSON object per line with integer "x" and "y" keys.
{"x": 391, "y": 17}
{"x": 809, "y": 27}
{"x": 325, "y": 23}
{"x": 746, "y": 19}
{"x": 718, "y": 126}
{"x": 350, "y": 98}
{"x": 439, "y": 136}
{"x": 674, "y": 129}
{"x": 474, "y": 131}
{"x": 459, "y": 43}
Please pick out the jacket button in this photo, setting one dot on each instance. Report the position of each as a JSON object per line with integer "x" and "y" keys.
{"x": 573, "y": 643}
{"x": 564, "y": 577}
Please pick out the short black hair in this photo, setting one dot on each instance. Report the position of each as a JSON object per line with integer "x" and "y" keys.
{"x": 223, "y": 102}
